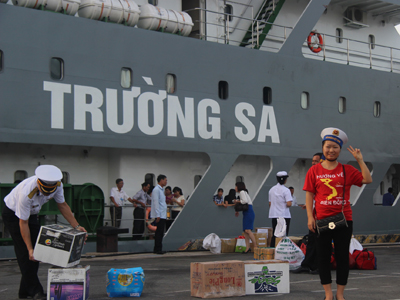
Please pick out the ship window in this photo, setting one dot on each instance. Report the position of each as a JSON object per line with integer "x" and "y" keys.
{"x": 20, "y": 175}
{"x": 228, "y": 12}
{"x": 305, "y": 100}
{"x": 197, "y": 179}
{"x": 153, "y": 2}
{"x": 1, "y": 60}
{"x": 382, "y": 187}
{"x": 126, "y": 78}
{"x": 377, "y": 109}
{"x": 171, "y": 83}
{"x": 150, "y": 178}
{"x": 267, "y": 95}
{"x": 339, "y": 35}
{"x": 223, "y": 88}
{"x": 65, "y": 178}
{"x": 239, "y": 179}
{"x": 371, "y": 41}
{"x": 342, "y": 105}
{"x": 56, "y": 68}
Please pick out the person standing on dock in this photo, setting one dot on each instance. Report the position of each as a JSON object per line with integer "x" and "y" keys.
{"x": 20, "y": 216}
{"x": 159, "y": 212}
{"x": 140, "y": 200}
{"x": 329, "y": 183}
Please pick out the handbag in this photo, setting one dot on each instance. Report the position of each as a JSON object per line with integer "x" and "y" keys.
{"x": 335, "y": 221}
{"x": 241, "y": 207}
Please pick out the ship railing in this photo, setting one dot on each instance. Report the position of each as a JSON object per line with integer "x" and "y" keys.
{"x": 227, "y": 36}
{"x": 127, "y": 219}
{"x": 356, "y": 53}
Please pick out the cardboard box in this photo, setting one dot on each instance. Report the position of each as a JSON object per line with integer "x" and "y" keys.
{"x": 266, "y": 277}
{"x": 261, "y": 240}
{"x": 268, "y": 231}
{"x": 228, "y": 245}
{"x": 217, "y": 279}
{"x": 69, "y": 283}
{"x": 264, "y": 253}
{"x": 59, "y": 245}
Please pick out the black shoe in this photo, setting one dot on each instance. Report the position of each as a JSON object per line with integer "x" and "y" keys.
{"x": 160, "y": 252}
{"x": 314, "y": 272}
{"x": 40, "y": 296}
{"x": 300, "y": 270}
{"x": 248, "y": 251}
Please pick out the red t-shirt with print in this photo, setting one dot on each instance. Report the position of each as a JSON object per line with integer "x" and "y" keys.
{"x": 327, "y": 185}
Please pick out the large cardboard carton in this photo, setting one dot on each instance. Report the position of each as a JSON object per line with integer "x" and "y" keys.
{"x": 59, "y": 245}
{"x": 268, "y": 231}
{"x": 217, "y": 279}
{"x": 261, "y": 240}
{"x": 228, "y": 245}
{"x": 68, "y": 283}
{"x": 266, "y": 277}
{"x": 264, "y": 253}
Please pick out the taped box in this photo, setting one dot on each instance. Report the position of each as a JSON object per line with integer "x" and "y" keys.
{"x": 266, "y": 277}
{"x": 268, "y": 231}
{"x": 59, "y": 245}
{"x": 68, "y": 283}
{"x": 217, "y": 279}
{"x": 228, "y": 245}
{"x": 266, "y": 253}
{"x": 261, "y": 240}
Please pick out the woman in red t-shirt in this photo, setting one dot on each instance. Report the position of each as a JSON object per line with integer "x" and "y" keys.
{"x": 324, "y": 184}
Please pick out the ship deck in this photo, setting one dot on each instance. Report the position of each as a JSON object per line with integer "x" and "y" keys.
{"x": 167, "y": 276}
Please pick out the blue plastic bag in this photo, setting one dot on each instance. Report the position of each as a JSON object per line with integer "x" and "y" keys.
{"x": 125, "y": 282}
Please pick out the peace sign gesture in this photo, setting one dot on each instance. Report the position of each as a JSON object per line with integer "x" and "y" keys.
{"x": 356, "y": 153}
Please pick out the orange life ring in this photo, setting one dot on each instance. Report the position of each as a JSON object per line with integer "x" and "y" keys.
{"x": 314, "y": 42}
{"x": 149, "y": 226}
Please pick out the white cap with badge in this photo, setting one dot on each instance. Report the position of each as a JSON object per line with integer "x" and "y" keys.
{"x": 48, "y": 173}
{"x": 335, "y": 135}
{"x": 282, "y": 174}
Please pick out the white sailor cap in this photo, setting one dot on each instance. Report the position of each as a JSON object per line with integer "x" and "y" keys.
{"x": 282, "y": 174}
{"x": 335, "y": 135}
{"x": 48, "y": 174}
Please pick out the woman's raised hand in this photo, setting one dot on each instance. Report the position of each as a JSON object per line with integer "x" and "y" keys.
{"x": 356, "y": 153}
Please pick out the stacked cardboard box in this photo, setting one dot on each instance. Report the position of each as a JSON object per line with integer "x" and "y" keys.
{"x": 264, "y": 253}
{"x": 68, "y": 283}
{"x": 266, "y": 277}
{"x": 261, "y": 240}
{"x": 268, "y": 231}
{"x": 217, "y": 279}
{"x": 228, "y": 245}
{"x": 59, "y": 245}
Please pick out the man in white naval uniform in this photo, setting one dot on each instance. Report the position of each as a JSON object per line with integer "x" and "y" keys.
{"x": 20, "y": 216}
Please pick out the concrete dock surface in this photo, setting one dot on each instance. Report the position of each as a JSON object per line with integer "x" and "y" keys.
{"x": 167, "y": 276}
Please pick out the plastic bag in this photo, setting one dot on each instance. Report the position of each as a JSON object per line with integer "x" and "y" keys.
{"x": 213, "y": 243}
{"x": 240, "y": 244}
{"x": 125, "y": 282}
{"x": 289, "y": 251}
{"x": 355, "y": 245}
{"x": 280, "y": 229}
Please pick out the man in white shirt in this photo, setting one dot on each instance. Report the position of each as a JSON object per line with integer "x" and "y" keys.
{"x": 20, "y": 216}
{"x": 280, "y": 200}
{"x": 159, "y": 212}
{"x": 117, "y": 197}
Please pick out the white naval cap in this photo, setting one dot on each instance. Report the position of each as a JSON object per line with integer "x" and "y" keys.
{"x": 335, "y": 135}
{"x": 48, "y": 173}
{"x": 282, "y": 174}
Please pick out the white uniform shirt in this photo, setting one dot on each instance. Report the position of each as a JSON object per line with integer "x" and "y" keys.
{"x": 245, "y": 198}
{"x": 119, "y": 196}
{"x": 294, "y": 201}
{"x": 18, "y": 199}
{"x": 279, "y": 195}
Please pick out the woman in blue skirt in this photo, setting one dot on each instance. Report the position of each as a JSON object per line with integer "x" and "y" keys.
{"x": 248, "y": 215}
